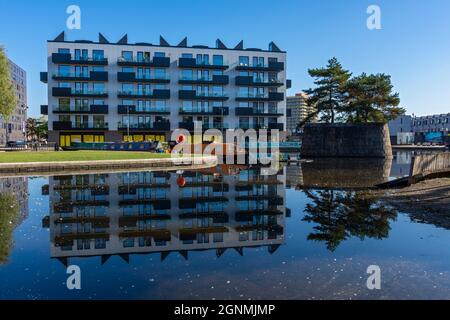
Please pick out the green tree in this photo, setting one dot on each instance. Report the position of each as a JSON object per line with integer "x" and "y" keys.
{"x": 339, "y": 215}
{"x": 329, "y": 95}
{"x": 9, "y": 211}
{"x": 42, "y": 129}
{"x": 31, "y": 129}
{"x": 7, "y": 94}
{"x": 371, "y": 99}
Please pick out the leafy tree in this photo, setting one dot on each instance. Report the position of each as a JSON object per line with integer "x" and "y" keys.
{"x": 9, "y": 211}
{"x": 7, "y": 93}
{"x": 371, "y": 99}
{"x": 329, "y": 96}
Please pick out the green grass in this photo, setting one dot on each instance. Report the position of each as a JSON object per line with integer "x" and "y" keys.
{"x": 61, "y": 156}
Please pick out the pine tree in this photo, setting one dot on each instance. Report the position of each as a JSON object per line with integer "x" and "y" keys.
{"x": 371, "y": 99}
{"x": 329, "y": 96}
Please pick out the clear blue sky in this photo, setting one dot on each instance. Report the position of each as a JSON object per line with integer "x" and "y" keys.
{"x": 413, "y": 45}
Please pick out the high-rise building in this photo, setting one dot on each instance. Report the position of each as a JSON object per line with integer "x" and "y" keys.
{"x": 13, "y": 129}
{"x": 297, "y": 111}
{"x": 112, "y": 92}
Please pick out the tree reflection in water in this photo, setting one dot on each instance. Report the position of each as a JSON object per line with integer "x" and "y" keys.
{"x": 340, "y": 215}
{"x": 9, "y": 212}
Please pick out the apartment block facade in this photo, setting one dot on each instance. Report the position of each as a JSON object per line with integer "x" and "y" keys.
{"x": 297, "y": 111}
{"x": 14, "y": 129}
{"x": 113, "y": 92}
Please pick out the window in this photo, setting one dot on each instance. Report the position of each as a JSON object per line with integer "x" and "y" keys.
{"x": 186, "y": 55}
{"x": 160, "y": 54}
{"x": 128, "y": 69}
{"x": 243, "y": 61}
{"x": 127, "y": 55}
{"x": 127, "y": 88}
{"x": 160, "y": 73}
{"x": 203, "y": 59}
{"x": 218, "y": 60}
{"x": 98, "y": 55}
{"x": 81, "y": 54}
{"x": 64, "y": 71}
{"x": 98, "y": 69}
{"x": 258, "y": 61}
{"x": 186, "y": 74}
{"x": 62, "y": 50}
{"x": 99, "y": 87}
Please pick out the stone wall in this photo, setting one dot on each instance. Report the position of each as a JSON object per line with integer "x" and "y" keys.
{"x": 341, "y": 140}
{"x": 426, "y": 164}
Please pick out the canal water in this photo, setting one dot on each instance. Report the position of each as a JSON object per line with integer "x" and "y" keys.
{"x": 224, "y": 233}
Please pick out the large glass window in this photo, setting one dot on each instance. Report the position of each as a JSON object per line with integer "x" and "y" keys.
{"x": 243, "y": 61}
{"x": 160, "y": 54}
{"x": 160, "y": 73}
{"x": 98, "y": 55}
{"x": 63, "y": 50}
{"x": 64, "y": 71}
{"x": 186, "y": 74}
{"x": 218, "y": 60}
{"x": 127, "y": 55}
{"x": 99, "y": 87}
{"x": 186, "y": 55}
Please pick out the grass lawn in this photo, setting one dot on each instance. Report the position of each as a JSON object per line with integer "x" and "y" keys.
{"x": 61, "y": 156}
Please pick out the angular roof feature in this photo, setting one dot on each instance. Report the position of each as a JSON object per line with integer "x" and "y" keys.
{"x": 240, "y": 45}
{"x": 124, "y": 40}
{"x": 163, "y": 42}
{"x": 220, "y": 45}
{"x": 183, "y": 43}
{"x": 61, "y": 37}
{"x": 102, "y": 39}
{"x": 273, "y": 47}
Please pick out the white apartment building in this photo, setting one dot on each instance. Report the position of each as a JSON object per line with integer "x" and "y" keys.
{"x": 113, "y": 92}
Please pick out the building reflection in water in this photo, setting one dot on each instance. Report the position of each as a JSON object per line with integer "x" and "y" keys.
{"x": 162, "y": 212}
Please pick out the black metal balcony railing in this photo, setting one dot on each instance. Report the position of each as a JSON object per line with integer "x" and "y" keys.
{"x": 213, "y": 80}
{"x": 132, "y": 77}
{"x": 66, "y": 58}
{"x": 101, "y": 76}
{"x": 246, "y": 111}
{"x": 91, "y": 109}
{"x": 190, "y": 125}
{"x": 219, "y": 111}
{"x": 133, "y": 109}
{"x": 151, "y": 94}
{"x": 193, "y": 63}
{"x": 68, "y": 125}
{"x": 44, "y": 109}
{"x": 195, "y": 95}
{"x": 271, "y": 66}
{"x": 258, "y": 82}
{"x": 271, "y": 96}
{"x": 156, "y": 62}
{"x": 68, "y": 92}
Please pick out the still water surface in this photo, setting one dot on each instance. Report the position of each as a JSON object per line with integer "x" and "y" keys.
{"x": 224, "y": 233}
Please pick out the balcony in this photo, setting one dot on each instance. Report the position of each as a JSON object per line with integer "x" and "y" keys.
{"x": 194, "y": 95}
{"x": 272, "y": 66}
{"x": 91, "y": 76}
{"x": 276, "y": 126}
{"x": 248, "y": 81}
{"x": 131, "y": 77}
{"x": 68, "y": 92}
{"x": 66, "y": 58}
{"x": 270, "y": 112}
{"x": 88, "y": 109}
{"x": 157, "y": 62}
{"x": 157, "y": 125}
{"x": 68, "y": 125}
{"x": 212, "y": 80}
{"x": 44, "y": 77}
{"x": 133, "y": 109}
{"x": 152, "y": 94}
{"x": 44, "y": 109}
{"x": 214, "y": 111}
{"x": 192, "y": 63}
{"x": 190, "y": 125}
{"x": 271, "y": 96}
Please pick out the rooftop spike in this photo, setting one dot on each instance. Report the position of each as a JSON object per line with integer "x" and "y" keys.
{"x": 239, "y": 46}
{"x": 124, "y": 40}
{"x": 220, "y": 252}
{"x": 102, "y": 39}
{"x": 163, "y": 42}
{"x": 105, "y": 258}
{"x": 183, "y": 43}
{"x": 184, "y": 254}
{"x": 61, "y": 37}
{"x": 273, "y": 47}
{"x": 220, "y": 45}
{"x": 125, "y": 257}
{"x": 240, "y": 250}
{"x": 273, "y": 248}
{"x": 164, "y": 255}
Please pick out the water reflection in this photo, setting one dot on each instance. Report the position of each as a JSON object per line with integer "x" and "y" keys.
{"x": 162, "y": 212}
{"x": 339, "y": 215}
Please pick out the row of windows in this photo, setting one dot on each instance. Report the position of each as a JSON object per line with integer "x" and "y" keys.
{"x": 143, "y": 56}
{"x": 432, "y": 122}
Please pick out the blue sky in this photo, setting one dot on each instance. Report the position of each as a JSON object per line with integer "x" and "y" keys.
{"x": 413, "y": 45}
